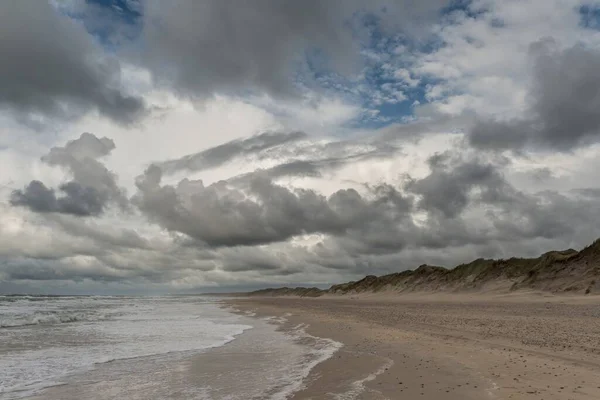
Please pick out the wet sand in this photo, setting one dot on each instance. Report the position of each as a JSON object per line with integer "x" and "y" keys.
{"x": 525, "y": 346}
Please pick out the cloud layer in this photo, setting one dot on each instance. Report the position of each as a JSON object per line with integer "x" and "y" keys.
{"x": 565, "y": 99}
{"x": 52, "y": 67}
{"x": 238, "y": 145}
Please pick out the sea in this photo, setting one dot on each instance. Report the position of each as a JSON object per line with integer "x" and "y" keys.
{"x": 167, "y": 347}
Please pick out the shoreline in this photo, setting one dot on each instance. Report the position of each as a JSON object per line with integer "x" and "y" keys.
{"x": 447, "y": 346}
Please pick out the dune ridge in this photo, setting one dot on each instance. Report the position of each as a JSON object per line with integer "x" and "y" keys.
{"x": 566, "y": 271}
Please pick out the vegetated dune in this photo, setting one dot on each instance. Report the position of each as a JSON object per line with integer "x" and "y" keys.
{"x": 567, "y": 271}
{"x": 286, "y": 291}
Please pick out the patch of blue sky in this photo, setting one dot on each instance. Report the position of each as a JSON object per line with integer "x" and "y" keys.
{"x": 469, "y": 8}
{"x": 589, "y": 16}
{"x": 127, "y": 11}
{"x": 386, "y": 88}
{"x": 459, "y": 10}
{"x": 111, "y": 22}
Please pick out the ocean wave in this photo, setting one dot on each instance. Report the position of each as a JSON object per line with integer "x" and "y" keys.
{"x": 32, "y": 297}
{"x": 48, "y": 318}
{"x": 358, "y": 387}
{"x": 319, "y": 350}
{"x": 236, "y": 331}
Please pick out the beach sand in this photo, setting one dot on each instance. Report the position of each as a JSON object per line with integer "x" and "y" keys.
{"x": 524, "y": 346}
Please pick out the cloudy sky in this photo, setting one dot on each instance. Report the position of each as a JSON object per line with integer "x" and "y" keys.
{"x": 148, "y": 147}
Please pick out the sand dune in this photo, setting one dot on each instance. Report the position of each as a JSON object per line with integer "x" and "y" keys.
{"x": 568, "y": 271}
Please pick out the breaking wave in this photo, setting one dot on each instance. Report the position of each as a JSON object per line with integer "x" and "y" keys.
{"x": 48, "y": 318}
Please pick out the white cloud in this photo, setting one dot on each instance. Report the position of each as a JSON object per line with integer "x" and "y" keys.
{"x": 483, "y": 63}
{"x": 404, "y": 75}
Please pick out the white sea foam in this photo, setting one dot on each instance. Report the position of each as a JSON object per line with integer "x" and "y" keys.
{"x": 170, "y": 333}
{"x": 358, "y": 387}
{"x": 275, "y": 363}
{"x": 84, "y": 334}
{"x": 320, "y": 349}
{"x": 43, "y": 310}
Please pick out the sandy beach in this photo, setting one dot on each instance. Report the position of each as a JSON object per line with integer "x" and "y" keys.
{"x": 518, "y": 346}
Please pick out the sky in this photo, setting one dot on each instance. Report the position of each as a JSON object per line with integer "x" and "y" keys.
{"x": 181, "y": 147}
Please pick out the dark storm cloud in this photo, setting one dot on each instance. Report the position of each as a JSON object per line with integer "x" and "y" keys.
{"x": 263, "y": 212}
{"x": 221, "y": 216}
{"x": 241, "y": 234}
{"x": 35, "y": 196}
{"x": 458, "y": 184}
{"x": 257, "y": 211}
{"x": 80, "y": 158}
{"x": 448, "y": 187}
{"x": 238, "y": 44}
{"x": 565, "y": 101}
{"x": 238, "y": 259}
{"x": 514, "y": 224}
{"x": 50, "y": 65}
{"x": 77, "y": 199}
{"x": 219, "y": 155}
{"x": 93, "y": 186}
{"x": 231, "y": 46}
{"x": 548, "y": 215}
